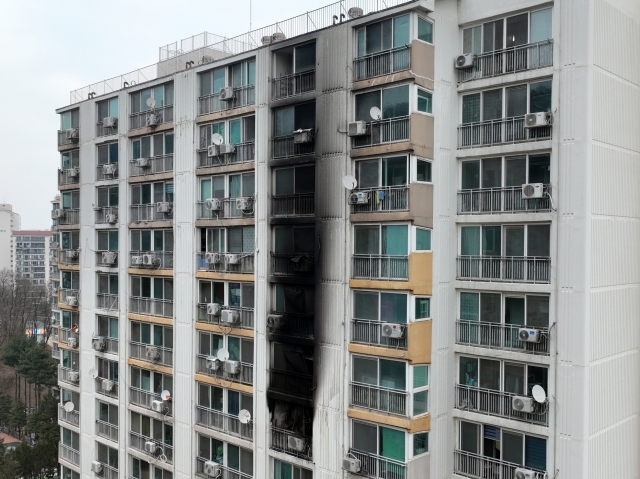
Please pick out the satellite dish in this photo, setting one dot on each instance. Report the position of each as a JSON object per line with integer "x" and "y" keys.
{"x": 216, "y": 139}
{"x": 151, "y": 102}
{"x": 93, "y": 373}
{"x": 223, "y": 354}
{"x": 538, "y": 393}
{"x": 349, "y": 182}
{"x": 244, "y": 416}
{"x": 69, "y": 406}
{"x": 165, "y": 395}
{"x": 375, "y": 113}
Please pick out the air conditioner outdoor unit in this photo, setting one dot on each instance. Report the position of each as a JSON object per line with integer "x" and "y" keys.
{"x": 522, "y": 473}
{"x": 360, "y": 198}
{"x": 112, "y": 218}
{"x": 536, "y": 120}
{"x": 351, "y": 464}
{"x": 73, "y": 376}
{"x": 213, "y": 309}
{"x": 153, "y": 120}
{"x": 164, "y": 207}
{"x": 213, "y": 258}
{"x": 136, "y": 260}
{"x": 109, "y": 257}
{"x": 143, "y": 162}
{"x": 59, "y": 213}
{"x": 357, "y": 128}
{"x": 212, "y": 469}
{"x": 213, "y": 363}
{"x": 302, "y": 136}
{"x": 277, "y": 37}
{"x": 232, "y": 258}
{"x": 465, "y": 61}
{"x": 152, "y": 353}
{"x": 227, "y": 93}
{"x": 214, "y": 204}
{"x": 150, "y": 447}
{"x": 150, "y": 260}
{"x": 73, "y": 172}
{"x": 296, "y": 443}
{"x": 532, "y": 190}
{"x": 99, "y": 343}
{"x": 109, "y": 122}
{"x": 72, "y": 301}
{"x": 232, "y": 367}
{"x": 522, "y": 403}
{"x": 243, "y": 204}
{"x": 72, "y": 253}
{"x": 157, "y": 406}
{"x": 72, "y": 342}
{"x": 72, "y": 134}
{"x": 529, "y": 335}
{"x": 229, "y": 316}
{"x": 355, "y": 12}
{"x": 392, "y": 330}
{"x": 96, "y": 466}
{"x": 107, "y": 385}
{"x": 276, "y": 321}
{"x": 213, "y": 150}
{"x": 227, "y": 149}
{"x": 109, "y": 169}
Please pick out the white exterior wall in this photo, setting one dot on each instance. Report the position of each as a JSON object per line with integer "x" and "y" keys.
{"x": 9, "y": 221}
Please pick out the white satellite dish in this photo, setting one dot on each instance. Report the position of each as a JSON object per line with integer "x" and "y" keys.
{"x": 244, "y": 416}
{"x": 223, "y": 354}
{"x": 93, "y": 373}
{"x": 69, "y": 406}
{"x": 538, "y": 394}
{"x": 165, "y": 395}
{"x": 349, "y": 182}
{"x": 216, "y": 139}
{"x": 375, "y": 113}
{"x": 151, "y": 102}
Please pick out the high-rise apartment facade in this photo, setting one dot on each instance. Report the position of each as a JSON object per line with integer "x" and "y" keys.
{"x": 9, "y": 221}
{"x": 31, "y": 255}
{"x": 374, "y": 243}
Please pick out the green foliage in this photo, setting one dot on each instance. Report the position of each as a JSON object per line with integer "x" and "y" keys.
{"x": 18, "y": 416}
{"x": 5, "y": 409}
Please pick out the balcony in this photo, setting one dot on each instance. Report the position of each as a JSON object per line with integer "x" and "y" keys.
{"x": 243, "y": 153}
{"x": 153, "y": 165}
{"x": 297, "y": 325}
{"x": 150, "y": 212}
{"x": 108, "y": 430}
{"x": 107, "y": 259}
{"x": 107, "y": 215}
{"x": 151, "y": 306}
{"x": 246, "y": 316}
{"x": 226, "y": 473}
{"x": 383, "y": 267}
{"x": 64, "y": 375}
{"x": 292, "y": 384}
{"x": 476, "y": 466}
{"x": 55, "y": 352}
{"x": 383, "y": 131}
{"x": 106, "y": 172}
{"x": 111, "y": 345}
{"x": 72, "y": 417}
{"x": 109, "y": 472}
{"x": 509, "y": 60}
{"x": 501, "y": 200}
{"x": 69, "y": 257}
{"x": 224, "y": 422}
{"x": 145, "y": 399}
{"x": 69, "y": 454}
{"x": 280, "y": 442}
{"x": 70, "y": 216}
{"x": 100, "y": 387}
{"x": 382, "y": 63}
{"x": 70, "y": 176}
{"x": 139, "y": 120}
{"x": 229, "y": 209}
{"x": 370, "y": 332}
{"x": 65, "y": 293}
{"x": 67, "y": 334}
{"x": 68, "y": 137}
{"x": 163, "y": 356}
{"x": 151, "y": 259}
{"x": 242, "y": 96}
{"x": 379, "y": 398}
{"x": 243, "y": 266}
{"x": 292, "y": 264}
{"x": 497, "y": 403}
{"x": 245, "y": 376}
{"x": 108, "y": 302}
{"x": 293, "y": 205}
{"x": 388, "y": 198}
{"x": 500, "y": 336}
{"x": 164, "y": 452}
{"x": 102, "y": 130}
{"x": 294, "y": 84}
{"x": 500, "y": 132}
{"x": 512, "y": 269}
{"x": 286, "y": 147}
{"x": 375, "y": 466}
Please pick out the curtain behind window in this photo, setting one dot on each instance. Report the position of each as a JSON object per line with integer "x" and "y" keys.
{"x": 470, "y": 241}
{"x": 391, "y": 443}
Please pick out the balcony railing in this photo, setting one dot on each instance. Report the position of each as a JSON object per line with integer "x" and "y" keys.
{"x": 297, "y": 325}
{"x": 71, "y": 217}
{"x": 293, "y": 205}
{"x": 145, "y": 399}
{"x": 69, "y": 454}
{"x": 109, "y": 472}
{"x": 224, "y": 422}
{"x": 280, "y": 442}
{"x": 63, "y": 140}
{"x": 370, "y": 332}
{"x": 229, "y": 210}
{"x": 69, "y": 177}
{"x": 155, "y": 164}
{"x": 497, "y": 403}
{"x": 103, "y": 215}
{"x": 500, "y": 336}
{"x": 99, "y": 389}
{"x": 388, "y": 198}
{"x": 509, "y": 60}
{"x": 382, "y": 63}
{"x": 154, "y": 259}
{"x": 105, "y": 260}
{"x": 101, "y": 130}
{"x": 500, "y": 131}
{"x": 102, "y": 176}
{"x": 55, "y": 352}
{"x": 246, "y": 316}
{"x": 294, "y": 84}
{"x": 151, "y": 306}
{"x": 294, "y": 384}
{"x": 375, "y": 466}
{"x": 225, "y": 472}
{"x": 244, "y": 152}
{"x": 139, "y": 120}
{"x": 379, "y": 398}
{"x": 108, "y": 430}
{"x": 63, "y": 375}
{"x": 292, "y": 264}
{"x": 66, "y": 334}
{"x": 69, "y": 256}
{"x": 243, "y": 96}
{"x": 64, "y": 293}
{"x": 501, "y": 200}
{"x": 72, "y": 417}
{"x": 149, "y": 212}
{"x": 513, "y": 269}
{"x": 245, "y": 264}
{"x": 139, "y": 351}
{"x": 383, "y": 131}
{"x": 164, "y": 451}
{"x": 108, "y": 302}
{"x": 476, "y": 466}
{"x": 245, "y": 375}
{"x": 284, "y": 147}
{"x": 384, "y": 267}
{"x": 111, "y": 345}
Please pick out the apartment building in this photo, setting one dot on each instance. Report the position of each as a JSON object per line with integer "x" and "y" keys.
{"x": 31, "y": 253}
{"x": 9, "y": 221}
{"x": 367, "y": 241}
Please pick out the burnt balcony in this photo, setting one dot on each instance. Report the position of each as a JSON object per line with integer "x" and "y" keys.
{"x": 143, "y": 398}
{"x": 69, "y": 454}
{"x": 151, "y": 353}
{"x": 68, "y": 376}
{"x": 151, "y": 306}
{"x": 294, "y": 84}
{"x": 68, "y": 137}
{"x": 226, "y": 262}
{"x": 500, "y": 336}
{"x": 370, "y": 332}
{"x": 374, "y": 466}
{"x": 226, "y": 208}
{"x": 499, "y": 132}
{"x": 290, "y": 146}
{"x": 69, "y": 216}
{"x": 382, "y": 63}
{"x": 291, "y": 383}
{"x": 156, "y": 117}
{"x": 72, "y": 417}
{"x": 245, "y": 316}
{"x": 242, "y": 96}
{"x": 107, "y": 215}
{"x": 137, "y": 441}
{"x": 224, "y": 422}
{"x": 293, "y": 205}
{"x": 107, "y": 302}
{"x": 280, "y": 442}
{"x": 152, "y": 212}
{"x": 151, "y": 166}
{"x": 107, "y": 430}
{"x": 382, "y": 267}
{"x": 107, "y": 259}
{"x": 292, "y": 264}
{"x": 501, "y": 200}
{"x": 472, "y": 465}
{"x": 107, "y": 171}
{"x": 509, "y": 60}
{"x": 69, "y": 176}
{"x": 69, "y": 257}
{"x": 383, "y": 199}
{"x": 151, "y": 259}
{"x": 510, "y": 269}
{"x": 383, "y": 131}
{"x": 107, "y": 387}
{"x": 245, "y": 376}
{"x": 291, "y": 324}
{"x": 225, "y": 472}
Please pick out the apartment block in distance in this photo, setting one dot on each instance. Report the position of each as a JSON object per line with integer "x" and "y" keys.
{"x": 381, "y": 239}
{"x": 31, "y": 255}
{"x": 9, "y": 221}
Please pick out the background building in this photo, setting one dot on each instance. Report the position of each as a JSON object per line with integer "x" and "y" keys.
{"x": 32, "y": 257}
{"x": 9, "y": 221}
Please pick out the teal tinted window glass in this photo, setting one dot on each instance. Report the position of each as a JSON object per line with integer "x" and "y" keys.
{"x": 491, "y": 240}
{"x": 401, "y": 31}
{"x": 468, "y": 371}
{"x": 305, "y": 57}
{"x": 470, "y": 174}
{"x": 420, "y": 405}
{"x": 284, "y": 121}
{"x": 393, "y": 307}
{"x": 234, "y": 348}
{"x": 425, "y": 101}
{"x": 420, "y": 376}
{"x": 360, "y": 42}
{"x": 235, "y": 131}
{"x": 365, "y": 371}
{"x": 251, "y": 73}
{"x": 145, "y": 333}
{"x": 233, "y": 457}
{"x": 471, "y": 108}
{"x": 395, "y": 102}
{"x": 541, "y": 25}
{"x": 136, "y": 150}
{"x": 391, "y": 443}
{"x": 540, "y": 96}
{"x": 145, "y": 240}
{"x": 218, "y": 79}
{"x": 423, "y": 170}
{"x": 423, "y": 240}
{"x": 65, "y": 121}
{"x": 425, "y": 30}
{"x": 367, "y": 240}
{"x": 423, "y": 308}
{"x": 365, "y": 305}
{"x": 469, "y": 306}
{"x": 394, "y": 171}
{"x": 113, "y": 328}
{"x": 393, "y": 374}
{"x": 282, "y": 470}
{"x": 420, "y": 443}
{"x": 364, "y": 437}
{"x": 217, "y": 451}
{"x": 205, "y": 190}
{"x": 470, "y": 241}
{"x": 168, "y": 94}
{"x": 395, "y": 240}
{"x": 168, "y": 144}
{"x": 113, "y": 107}
{"x": 235, "y": 184}
{"x": 158, "y": 96}
{"x": 364, "y": 103}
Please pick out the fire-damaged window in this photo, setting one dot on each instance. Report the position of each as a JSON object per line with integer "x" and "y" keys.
{"x": 292, "y": 370}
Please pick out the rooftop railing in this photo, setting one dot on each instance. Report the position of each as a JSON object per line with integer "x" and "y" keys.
{"x": 386, "y": 198}
{"x": 141, "y": 119}
{"x": 280, "y": 442}
{"x": 472, "y": 465}
{"x": 507, "y": 199}
{"x": 511, "y": 269}
{"x": 384, "y": 267}
{"x": 382, "y": 63}
{"x": 242, "y": 96}
{"x": 499, "y": 132}
{"x": 370, "y": 332}
{"x": 500, "y": 336}
{"x": 383, "y": 131}
{"x": 294, "y": 84}
{"x": 293, "y": 205}
{"x": 243, "y": 153}
{"x": 224, "y": 422}
{"x": 152, "y": 165}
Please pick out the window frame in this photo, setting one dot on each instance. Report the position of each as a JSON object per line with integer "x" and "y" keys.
{"x": 363, "y": 28}
{"x": 503, "y": 166}
{"x": 417, "y": 28}
{"x": 143, "y": 108}
{"x": 108, "y": 101}
{"x": 411, "y": 100}
{"x": 503, "y": 242}
{"x": 152, "y": 153}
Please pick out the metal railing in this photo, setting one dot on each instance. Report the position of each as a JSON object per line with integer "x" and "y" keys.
{"x": 111, "y": 345}
{"x": 497, "y": 403}
{"x": 515, "y": 269}
{"x": 284, "y": 147}
{"x": 292, "y": 264}
{"x": 387, "y": 198}
{"x": 500, "y": 336}
{"x": 139, "y": 351}
{"x": 160, "y": 260}
{"x": 383, "y": 131}
{"x": 109, "y": 472}
{"x": 99, "y": 389}
{"x": 242, "y": 96}
{"x": 69, "y": 256}
{"x": 500, "y": 131}
{"x": 66, "y": 334}
{"x": 139, "y": 120}
{"x": 69, "y": 177}
{"x": 247, "y": 320}
{"x": 62, "y": 296}
{"x": 298, "y": 325}
{"x": 225, "y": 472}
{"x": 100, "y": 262}
{"x": 370, "y": 332}
{"x": 164, "y": 451}
{"x": 291, "y": 383}
{"x": 229, "y": 210}
{"x": 108, "y": 302}
{"x": 280, "y": 442}
{"x": 244, "y": 153}
{"x": 63, "y": 375}
{"x": 156, "y": 164}
{"x": 244, "y": 266}
{"x": 382, "y": 63}
{"x": 509, "y": 60}
{"x": 379, "y": 398}
{"x": 374, "y": 466}
{"x": 294, "y": 84}
{"x": 245, "y": 376}
{"x": 143, "y": 398}
{"x": 224, "y": 422}
{"x": 55, "y": 353}
{"x": 476, "y": 466}
{"x": 293, "y": 205}
{"x": 101, "y": 176}
{"x": 63, "y": 140}
{"x": 108, "y": 430}
{"x": 151, "y": 306}
{"x": 71, "y": 217}
{"x": 101, "y": 130}
{"x": 385, "y": 267}
{"x": 69, "y": 454}
{"x": 102, "y": 212}
{"x": 72, "y": 417}
{"x": 507, "y": 199}
{"x": 149, "y": 212}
